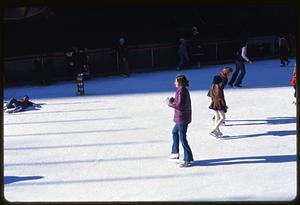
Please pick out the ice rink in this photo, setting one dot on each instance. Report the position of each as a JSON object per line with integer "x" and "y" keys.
{"x": 112, "y": 144}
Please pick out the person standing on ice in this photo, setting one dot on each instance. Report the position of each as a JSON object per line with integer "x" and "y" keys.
{"x": 284, "y": 51}
{"x": 240, "y": 59}
{"x": 218, "y": 104}
{"x": 79, "y": 62}
{"x": 182, "y": 117}
{"x": 225, "y": 74}
{"x": 182, "y": 54}
{"x": 123, "y": 56}
{"x": 293, "y": 82}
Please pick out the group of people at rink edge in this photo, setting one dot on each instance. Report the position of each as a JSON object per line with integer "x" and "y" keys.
{"x": 189, "y": 54}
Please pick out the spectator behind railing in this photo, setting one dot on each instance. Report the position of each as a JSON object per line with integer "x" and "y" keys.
{"x": 195, "y": 47}
{"x": 123, "y": 56}
{"x": 42, "y": 69}
{"x": 284, "y": 51}
{"x": 182, "y": 54}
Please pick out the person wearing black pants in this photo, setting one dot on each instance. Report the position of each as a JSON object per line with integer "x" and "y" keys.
{"x": 240, "y": 71}
{"x": 284, "y": 51}
{"x": 123, "y": 55}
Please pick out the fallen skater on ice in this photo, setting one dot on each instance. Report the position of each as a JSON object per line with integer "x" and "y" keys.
{"x": 15, "y": 105}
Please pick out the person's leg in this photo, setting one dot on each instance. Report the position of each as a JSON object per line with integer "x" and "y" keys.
{"x": 13, "y": 103}
{"x": 175, "y": 145}
{"x": 126, "y": 67}
{"x": 235, "y": 74}
{"x": 281, "y": 57}
{"x": 188, "y": 156}
{"x": 181, "y": 61}
{"x": 287, "y": 57}
{"x": 80, "y": 85}
{"x": 242, "y": 74}
{"x": 221, "y": 115}
{"x": 217, "y": 117}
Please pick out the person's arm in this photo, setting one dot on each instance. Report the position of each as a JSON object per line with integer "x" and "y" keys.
{"x": 176, "y": 104}
{"x": 244, "y": 55}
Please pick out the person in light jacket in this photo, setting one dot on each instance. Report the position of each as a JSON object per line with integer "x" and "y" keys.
{"x": 182, "y": 117}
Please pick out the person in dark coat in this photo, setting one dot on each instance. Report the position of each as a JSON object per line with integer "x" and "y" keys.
{"x": 284, "y": 51}
{"x": 240, "y": 71}
{"x": 182, "y": 54}
{"x": 123, "y": 56}
{"x": 195, "y": 47}
{"x": 182, "y": 117}
{"x": 19, "y": 105}
{"x": 42, "y": 68}
{"x": 218, "y": 104}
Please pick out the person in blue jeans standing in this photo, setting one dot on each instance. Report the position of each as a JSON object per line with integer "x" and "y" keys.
{"x": 182, "y": 117}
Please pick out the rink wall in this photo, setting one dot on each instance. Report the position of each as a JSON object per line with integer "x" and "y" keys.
{"x": 23, "y": 69}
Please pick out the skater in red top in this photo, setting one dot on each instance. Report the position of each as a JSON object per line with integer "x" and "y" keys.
{"x": 293, "y": 82}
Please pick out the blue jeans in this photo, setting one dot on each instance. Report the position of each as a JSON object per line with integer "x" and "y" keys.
{"x": 179, "y": 133}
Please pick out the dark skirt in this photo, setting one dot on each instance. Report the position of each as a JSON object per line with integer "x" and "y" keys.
{"x": 215, "y": 107}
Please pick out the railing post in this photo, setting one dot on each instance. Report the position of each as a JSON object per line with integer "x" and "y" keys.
{"x": 273, "y": 47}
{"x": 118, "y": 67}
{"x": 216, "y": 51}
{"x": 152, "y": 60}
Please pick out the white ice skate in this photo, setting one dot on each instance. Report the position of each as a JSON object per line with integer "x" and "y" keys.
{"x": 216, "y": 133}
{"x": 173, "y": 157}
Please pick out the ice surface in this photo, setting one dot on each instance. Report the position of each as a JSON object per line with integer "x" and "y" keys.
{"x": 112, "y": 144}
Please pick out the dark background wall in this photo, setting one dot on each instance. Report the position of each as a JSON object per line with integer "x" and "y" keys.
{"x": 57, "y": 28}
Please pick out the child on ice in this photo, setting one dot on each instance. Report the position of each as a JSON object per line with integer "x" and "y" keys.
{"x": 218, "y": 104}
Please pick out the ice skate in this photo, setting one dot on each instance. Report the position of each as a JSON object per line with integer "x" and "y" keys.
{"x": 216, "y": 133}
{"x": 220, "y": 134}
{"x": 173, "y": 157}
{"x": 238, "y": 85}
{"x": 184, "y": 164}
{"x": 78, "y": 93}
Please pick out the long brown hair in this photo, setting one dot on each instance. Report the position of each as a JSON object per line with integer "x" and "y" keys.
{"x": 182, "y": 80}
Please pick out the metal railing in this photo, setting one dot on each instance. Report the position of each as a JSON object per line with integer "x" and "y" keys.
{"x": 105, "y": 61}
